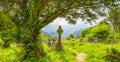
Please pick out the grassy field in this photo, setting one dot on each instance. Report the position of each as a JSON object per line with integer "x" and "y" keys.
{"x": 11, "y": 54}
{"x": 95, "y": 52}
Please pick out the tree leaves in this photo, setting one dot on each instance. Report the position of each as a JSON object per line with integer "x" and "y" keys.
{"x": 114, "y": 17}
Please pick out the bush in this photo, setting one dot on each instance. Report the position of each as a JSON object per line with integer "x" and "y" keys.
{"x": 71, "y": 36}
{"x": 1, "y": 43}
{"x": 101, "y": 31}
{"x": 83, "y": 32}
{"x": 112, "y": 38}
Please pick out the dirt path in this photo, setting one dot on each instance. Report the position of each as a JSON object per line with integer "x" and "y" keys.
{"x": 80, "y": 57}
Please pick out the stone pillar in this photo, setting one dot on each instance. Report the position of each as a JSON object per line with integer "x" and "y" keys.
{"x": 59, "y": 44}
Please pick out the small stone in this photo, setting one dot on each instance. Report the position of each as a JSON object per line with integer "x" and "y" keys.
{"x": 81, "y": 57}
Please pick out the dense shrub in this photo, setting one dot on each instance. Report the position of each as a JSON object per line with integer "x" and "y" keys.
{"x": 100, "y": 31}
{"x": 1, "y": 43}
{"x": 71, "y": 36}
{"x": 83, "y": 32}
{"x": 8, "y": 31}
{"x": 113, "y": 38}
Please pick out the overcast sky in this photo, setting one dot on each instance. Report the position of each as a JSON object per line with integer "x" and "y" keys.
{"x": 68, "y": 28}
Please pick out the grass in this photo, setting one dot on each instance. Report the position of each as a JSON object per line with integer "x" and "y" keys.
{"x": 11, "y": 54}
{"x": 94, "y": 51}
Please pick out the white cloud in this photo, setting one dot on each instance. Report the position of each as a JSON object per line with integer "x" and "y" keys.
{"x": 68, "y": 28}
{"x": 60, "y": 21}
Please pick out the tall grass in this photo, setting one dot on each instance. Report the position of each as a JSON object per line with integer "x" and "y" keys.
{"x": 94, "y": 51}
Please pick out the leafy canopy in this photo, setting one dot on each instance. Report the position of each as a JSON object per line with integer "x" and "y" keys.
{"x": 114, "y": 17}
{"x": 42, "y": 12}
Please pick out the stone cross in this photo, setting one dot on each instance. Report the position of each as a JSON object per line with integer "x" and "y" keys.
{"x": 59, "y": 44}
{"x": 59, "y": 31}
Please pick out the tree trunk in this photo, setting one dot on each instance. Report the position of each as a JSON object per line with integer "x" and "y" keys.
{"x": 32, "y": 46}
{"x": 38, "y": 50}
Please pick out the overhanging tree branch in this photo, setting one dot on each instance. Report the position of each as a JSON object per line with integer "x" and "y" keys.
{"x": 55, "y": 15}
{"x": 40, "y": 7}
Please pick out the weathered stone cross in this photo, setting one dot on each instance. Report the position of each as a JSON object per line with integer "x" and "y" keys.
{"x": 59, "y": 44}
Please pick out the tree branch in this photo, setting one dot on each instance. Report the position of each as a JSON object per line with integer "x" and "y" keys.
{"x": 55, "y": 15}
{"x": 112, "y": 56}
{"x": 19, "y": 2}
{"x": 39, "y": 9}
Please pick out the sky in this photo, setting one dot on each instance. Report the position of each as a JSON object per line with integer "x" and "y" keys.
{"x": 67, "y": 28}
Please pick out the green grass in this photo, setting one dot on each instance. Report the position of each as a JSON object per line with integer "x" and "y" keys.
{"x": 12, "y": 54}
{"x": 94, "y": 51}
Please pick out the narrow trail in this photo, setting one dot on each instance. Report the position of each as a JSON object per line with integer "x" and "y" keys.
{"x": 80, "y": 57}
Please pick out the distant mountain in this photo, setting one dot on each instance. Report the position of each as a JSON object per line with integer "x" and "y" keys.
{"x": 46, "y": 33}
{"x": 64, "y": 35}
{"x": 77, "y": 33}
{"x": 53, "y": 34}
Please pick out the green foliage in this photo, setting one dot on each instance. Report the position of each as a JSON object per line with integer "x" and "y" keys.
{"x": 11, "y": 54}
{"x": 84, "y": 32}
{"x": 57, "y": 56}
{"x": 29, "y": 11}
{"x": 1, "y": 43}
{"x": 42, "y": 37}
{"x": 23, "y": 19}
{"x": 95, "y": 52}
{"x": 54, "y": 38}
{"x": 100, "y": 31}
{"x": 7, "y": 29}
{"x": 114, "y": 51}
{"x": 114, "y": 17}
{"x": 71, "y": 36}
